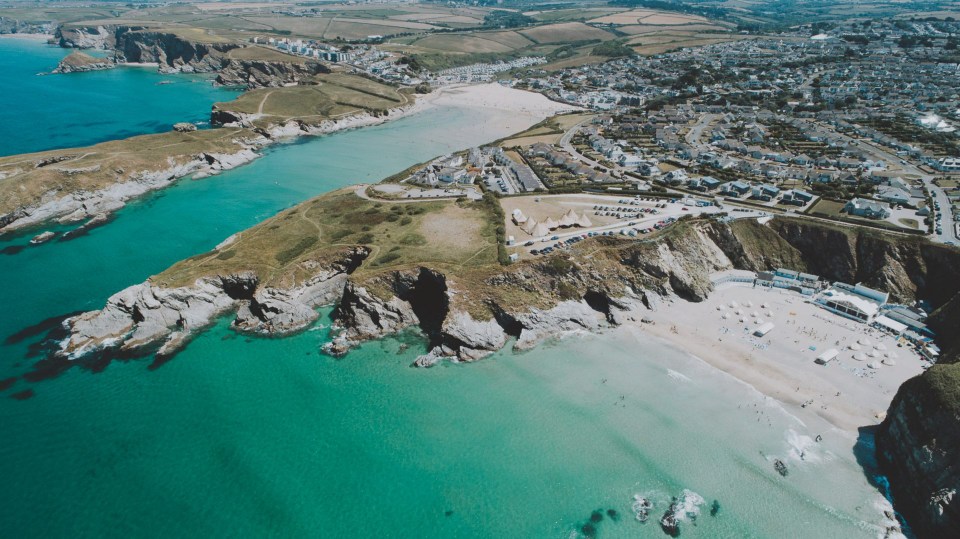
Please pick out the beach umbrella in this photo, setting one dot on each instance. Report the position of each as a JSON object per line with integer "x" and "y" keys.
{"x": 860, "y": 356}
{"x": 880, "y": 346}
{"x": 721, "y": 307}
{"x": 873, "y": 365}
{"x": 738, "y": 312}
{"x": 743, "y": 319}
{"x": 754, "y": 314}
{"x": 892, "y": 355}
{"x": 725, "y": 316}
{"x": 749, "y": 304}
{"x": 854, "y": 346}
{"x": 864, "y": 341}
{"x": 759, "y": 321}
{"x": 763, "y": 305}
{"x": 769, "y": 314}
{"x": 888, "y": 361}
{"x": 874, "y": 353}
{"x": 734, "y": 304}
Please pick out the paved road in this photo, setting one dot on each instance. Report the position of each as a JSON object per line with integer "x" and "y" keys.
{"x": 568, "y": 146}
{"x": 696, "y": 132}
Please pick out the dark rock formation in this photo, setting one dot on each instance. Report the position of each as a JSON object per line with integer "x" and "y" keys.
{"x": 918, "y": 447}
{"x": 260, "y": 74}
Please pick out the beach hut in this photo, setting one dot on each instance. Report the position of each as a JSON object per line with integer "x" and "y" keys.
{"x": 854, "y": 346}
{"x": 518, "y": 217}
{"x": 826, "y": 357}
{"x": 763, "y": 330}
{"x": 860, "y": 356}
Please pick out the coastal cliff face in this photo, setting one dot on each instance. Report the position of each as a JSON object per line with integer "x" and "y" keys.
{"x": 464, "y": 317}
{"x": 171, "y": 51}
{"x": 908, "y": 268}
{"x": 262, "y": 74}
{"x": 918, "y": 446}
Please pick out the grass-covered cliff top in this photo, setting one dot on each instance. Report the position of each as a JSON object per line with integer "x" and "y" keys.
{"x": 333, "y": 95}
{"x": 29, "y": 179}
{"x": 286, "y": 249}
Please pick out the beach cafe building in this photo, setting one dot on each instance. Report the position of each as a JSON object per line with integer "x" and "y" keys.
{"x": 856, "y": 302}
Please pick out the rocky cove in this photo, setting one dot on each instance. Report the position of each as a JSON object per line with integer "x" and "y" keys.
{"x": 466, "y": 318}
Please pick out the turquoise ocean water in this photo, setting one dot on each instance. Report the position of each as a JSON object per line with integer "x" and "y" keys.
{"x": 78, "y": 109}
{"x": 253, "y": 437}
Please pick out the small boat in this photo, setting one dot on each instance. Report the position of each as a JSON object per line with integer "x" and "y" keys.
{"x": 780, "y": 467}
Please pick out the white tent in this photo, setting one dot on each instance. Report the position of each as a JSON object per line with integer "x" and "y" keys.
{"x": 584, "y": 222}
{"x": 873, "y": 353}
{"x": 734, "y": 304}
{"x": 888, "y": 361}
{"x": 864, "y": 341}
{"x": 873, "y": 365}
{"x": 759, "y": 321}
{"x": 860, "y": 356}
{"x": 518, "y": 217}
{"x": 568, "y": 219}
{"x": 854, "y": 346}
{"x": 540, "y": 230}
{"x": 550, "y": 223}
{"x": 530, "y": 225}
{"x": 880, "y": 346}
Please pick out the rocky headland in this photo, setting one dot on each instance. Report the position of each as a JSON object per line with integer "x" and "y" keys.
{"x": 468, "y": 313}
{"x": 77, "y": 62}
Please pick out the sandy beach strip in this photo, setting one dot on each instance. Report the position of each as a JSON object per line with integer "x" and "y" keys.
{"x": 846, "y": 392}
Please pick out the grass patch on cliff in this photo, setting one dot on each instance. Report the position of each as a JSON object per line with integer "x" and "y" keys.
{"x": 334, "y": 95}
{"x": 290, "y": 247}
{"x": 25, "y": 179}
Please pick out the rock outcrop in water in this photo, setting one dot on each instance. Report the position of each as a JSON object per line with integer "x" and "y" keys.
{"x": 77, "y": 62}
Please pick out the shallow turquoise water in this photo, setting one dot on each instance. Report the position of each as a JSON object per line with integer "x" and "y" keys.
{"x": 78, "y": 109}
{"x": 240, "y": 436}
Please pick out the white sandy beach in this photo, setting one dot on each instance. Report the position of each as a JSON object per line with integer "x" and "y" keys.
{"x": 32, "y": 37}
{"x": 510, "y": 110}
{"x": 846, "y": 393}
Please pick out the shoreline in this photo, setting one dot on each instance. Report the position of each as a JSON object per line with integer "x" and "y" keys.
{"x": 846, "y": 394}
{"x": 113, "y": 197}
{"x": 29, "y": 37}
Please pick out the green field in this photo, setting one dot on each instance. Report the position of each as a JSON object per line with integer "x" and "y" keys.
{"x": 282, "y": 250}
